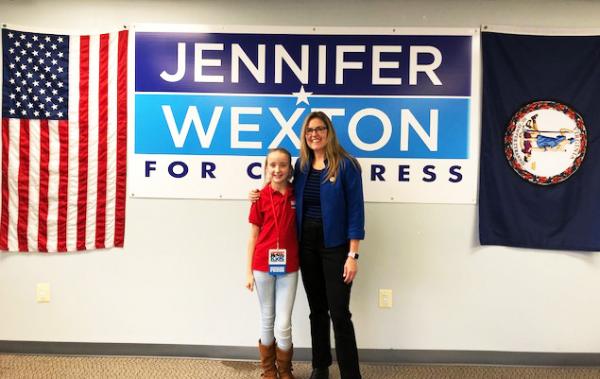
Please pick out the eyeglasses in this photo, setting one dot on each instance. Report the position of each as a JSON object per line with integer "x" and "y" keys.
{"x": 318, "y": 129}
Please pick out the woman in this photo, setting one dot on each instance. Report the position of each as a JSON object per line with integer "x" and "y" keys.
{"x": 330, "y": 222}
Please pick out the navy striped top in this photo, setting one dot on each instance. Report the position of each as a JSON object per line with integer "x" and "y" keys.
{"x": 312, "y": 195}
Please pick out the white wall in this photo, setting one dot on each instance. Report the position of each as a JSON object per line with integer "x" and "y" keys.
{"x": 180, "y": 278}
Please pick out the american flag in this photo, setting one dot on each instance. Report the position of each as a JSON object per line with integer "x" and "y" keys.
{"x": 64, "y": 141}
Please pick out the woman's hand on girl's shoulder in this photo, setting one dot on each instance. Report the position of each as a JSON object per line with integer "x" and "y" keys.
{"x": 254, "y": 195}
{"x": 250, "y": 281}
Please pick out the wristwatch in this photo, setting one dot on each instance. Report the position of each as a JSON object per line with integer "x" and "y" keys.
{"x": 353, "y": 255}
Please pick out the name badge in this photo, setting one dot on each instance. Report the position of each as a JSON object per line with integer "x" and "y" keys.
{"x": 277, "y": 261}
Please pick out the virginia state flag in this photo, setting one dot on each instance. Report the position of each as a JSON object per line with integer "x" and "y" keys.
{"x": 560, "y": 73}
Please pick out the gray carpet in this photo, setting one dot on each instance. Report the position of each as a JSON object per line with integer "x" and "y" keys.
{"x": 61, "y": 366}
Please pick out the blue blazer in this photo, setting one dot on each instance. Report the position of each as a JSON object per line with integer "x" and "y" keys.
{"x": 342, "y": 203}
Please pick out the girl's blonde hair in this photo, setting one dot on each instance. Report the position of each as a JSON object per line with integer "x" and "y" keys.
{"x": 289, "y": 156}
{"x": 334, "y": 152}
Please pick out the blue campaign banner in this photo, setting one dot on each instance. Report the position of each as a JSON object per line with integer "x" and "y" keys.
{"x": 210, "y": 101}
{"x": 154, "y": 136}
{"x": 329, "y": 64}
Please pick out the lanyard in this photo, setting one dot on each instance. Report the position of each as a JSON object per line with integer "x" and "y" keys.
{"x": 275, "y": 214}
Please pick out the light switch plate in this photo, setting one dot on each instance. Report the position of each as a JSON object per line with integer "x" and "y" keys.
{"x": 385, "y": 298}
{"x": 42, "y": 293}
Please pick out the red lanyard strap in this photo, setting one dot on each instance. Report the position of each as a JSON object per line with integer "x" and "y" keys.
{"x": 275, "y": 216}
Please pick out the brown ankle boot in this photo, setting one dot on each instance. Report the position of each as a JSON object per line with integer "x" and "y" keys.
{"x": 267, "y": 360}
{"x": 284, "y": 363}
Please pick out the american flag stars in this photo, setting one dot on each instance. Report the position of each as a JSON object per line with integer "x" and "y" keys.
{"x": 36, "y": 70}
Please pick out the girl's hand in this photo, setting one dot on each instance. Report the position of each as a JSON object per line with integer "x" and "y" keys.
{"x": 254, "y": 195}
{"x": 350, "y": 270}
{"x": 250, "y": 281}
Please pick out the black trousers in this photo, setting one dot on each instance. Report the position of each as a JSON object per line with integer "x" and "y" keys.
{"x": 329, "y": 299}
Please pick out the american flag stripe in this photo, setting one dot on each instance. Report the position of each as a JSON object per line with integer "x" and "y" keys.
{"x": 100, "y": 231}
{"x": 53, "y": 184}
{"x": 121, "y": 141}
{"x": 13, "y": 182}
{"x": 23, "y": 185}
{"x": 4, "y": 211}
{"x": 74, "y": 148}
{"x": 111, "y": 145}
{"x": 93, "y": 132}
{"x": 63, "y": 181}
{"x": 43, "y": 192}
{"x": 33, "y": 185}
{"x": 63, "y": 184}
{"x": 83, "y": 140}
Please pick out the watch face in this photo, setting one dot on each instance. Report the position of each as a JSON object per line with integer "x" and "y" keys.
{"x": 545, "y": 142}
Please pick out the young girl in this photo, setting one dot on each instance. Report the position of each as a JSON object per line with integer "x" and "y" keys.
{"x": 273, "y": 264}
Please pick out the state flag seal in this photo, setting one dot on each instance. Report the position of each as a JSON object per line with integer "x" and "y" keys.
{"x": 545, "y": 142}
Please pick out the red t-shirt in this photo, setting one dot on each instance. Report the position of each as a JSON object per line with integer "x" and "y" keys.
{"x": 261, "y": 214}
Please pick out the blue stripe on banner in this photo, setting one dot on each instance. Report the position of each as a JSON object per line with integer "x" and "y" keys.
{"x": 332, "y": 65}
{"x": 384, "y": 127}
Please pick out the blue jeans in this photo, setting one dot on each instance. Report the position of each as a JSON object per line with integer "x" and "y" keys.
{"x": 276, "y": 295}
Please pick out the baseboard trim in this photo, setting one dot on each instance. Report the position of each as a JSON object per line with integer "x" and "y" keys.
{"x": 303, "y": 354}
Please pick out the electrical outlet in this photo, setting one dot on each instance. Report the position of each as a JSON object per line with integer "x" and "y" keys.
{"x": 42, "y": 293}
{"x": 385, "y": 298}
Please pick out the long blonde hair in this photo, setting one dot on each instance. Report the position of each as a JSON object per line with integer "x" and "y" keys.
{"x": 334, "y": 152}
